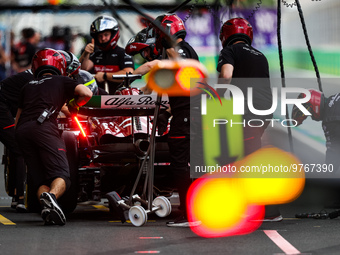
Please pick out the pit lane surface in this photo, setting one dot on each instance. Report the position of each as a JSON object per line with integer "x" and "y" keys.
{"x": 92, "y": 230}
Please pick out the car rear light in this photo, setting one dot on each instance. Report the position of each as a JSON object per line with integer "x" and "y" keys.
{"x": 80, "y": 126}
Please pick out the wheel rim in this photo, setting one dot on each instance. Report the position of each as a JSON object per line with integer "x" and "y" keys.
{"x": 164, "y": 204}
{"x": 138, "y": 216}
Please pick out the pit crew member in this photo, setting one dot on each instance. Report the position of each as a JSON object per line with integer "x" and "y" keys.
{"x": 109, "y": 59}
{"x": 37, "y": 131}
{"x": 238, "y": 59}
{"x": 9, "y": 94}
{"x": 242, "y": 65}
{"x": 327, "y": 110}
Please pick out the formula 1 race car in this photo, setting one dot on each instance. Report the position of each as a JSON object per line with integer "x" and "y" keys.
{"x": 106, "y": 145}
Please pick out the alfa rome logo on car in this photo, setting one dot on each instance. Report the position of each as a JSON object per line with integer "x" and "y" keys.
{"x": 123, "y": 101}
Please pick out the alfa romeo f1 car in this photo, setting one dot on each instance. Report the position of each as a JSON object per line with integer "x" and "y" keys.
{"x": 106, "y": 144}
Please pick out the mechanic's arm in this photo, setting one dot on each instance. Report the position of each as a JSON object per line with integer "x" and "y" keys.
{"x": 227, "y": 73}
{"x": 100, "y": 76}
{"x": 144, "y": 69}
{"x": 225, "y": 76}
{"x": 83, "y": 94}
{"x": 86, "y": 63}
{"x": 17, "y": 116}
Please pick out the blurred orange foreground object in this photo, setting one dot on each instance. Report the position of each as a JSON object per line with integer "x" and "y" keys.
{"x": 222, "y": 209}
{"x": 177, "y": 78}
{"x": 274, "y": 177}
{"x": 233, "y": 204}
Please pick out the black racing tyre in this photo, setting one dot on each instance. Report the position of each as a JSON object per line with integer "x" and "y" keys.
{"x": 68, "y": 201}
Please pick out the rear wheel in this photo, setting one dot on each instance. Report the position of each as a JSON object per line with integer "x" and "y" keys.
{"x": 68, "y": 201}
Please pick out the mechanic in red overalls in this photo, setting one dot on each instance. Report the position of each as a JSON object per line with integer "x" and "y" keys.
{"x": 109, "y": 59}
{"x": 37, "y": 130}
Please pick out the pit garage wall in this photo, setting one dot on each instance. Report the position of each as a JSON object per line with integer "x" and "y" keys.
{"x": 200, "y": 28}
{"x": 322, "y": 21}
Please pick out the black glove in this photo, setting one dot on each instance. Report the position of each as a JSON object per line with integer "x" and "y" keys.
{"x": 162, "y": 122}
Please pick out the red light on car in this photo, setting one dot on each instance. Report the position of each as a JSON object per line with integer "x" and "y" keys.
{"x": 80, "y": 126}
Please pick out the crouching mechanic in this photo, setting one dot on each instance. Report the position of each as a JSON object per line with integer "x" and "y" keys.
{"x": 37, "y": 131}
{"x": 326, "y": 110}
{"x": 9, "y": 94}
